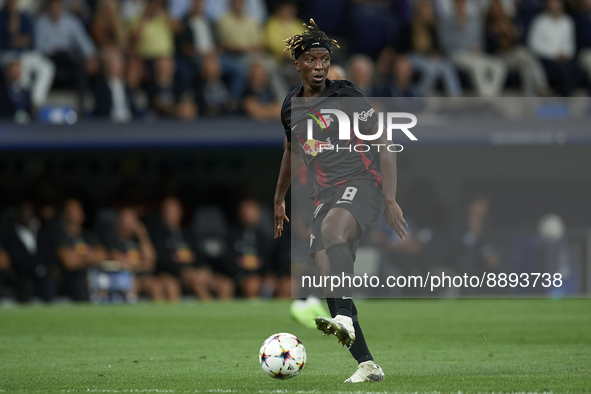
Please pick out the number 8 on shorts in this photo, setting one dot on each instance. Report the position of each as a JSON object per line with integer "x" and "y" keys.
{"x": 349, "y": 194}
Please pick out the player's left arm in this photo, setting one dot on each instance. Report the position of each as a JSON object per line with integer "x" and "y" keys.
{"x": 389, "y": 182}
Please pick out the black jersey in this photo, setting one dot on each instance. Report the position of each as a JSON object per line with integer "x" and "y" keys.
{"x": 335, "y": 167}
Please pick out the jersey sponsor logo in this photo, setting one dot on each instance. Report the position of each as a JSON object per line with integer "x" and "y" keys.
{"x": 315, "y": 43}
{"x": 365, "y": 115}
{"x": 312, "y": 147}
{"x": 344, "y": 202}
{"x": 294, "y": 126}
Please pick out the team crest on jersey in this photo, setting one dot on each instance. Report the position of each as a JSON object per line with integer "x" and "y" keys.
{"x": 313, "y": 147}
{"x": 327, "y": 121}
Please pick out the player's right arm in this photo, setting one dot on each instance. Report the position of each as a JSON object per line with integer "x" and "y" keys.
{"x": 290, "y": 163}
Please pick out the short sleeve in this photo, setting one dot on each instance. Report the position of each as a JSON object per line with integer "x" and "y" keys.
{"x": 357, "y": 102}
{"x": 286, "y": 128}
{"x": 286, "y": 105}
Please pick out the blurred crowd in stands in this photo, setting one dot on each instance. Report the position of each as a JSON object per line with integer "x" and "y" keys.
{"x": 129, "y": 59}
{"x": 56, "y": 245}
{"x": 167, "y": 251}
{"x": 161, "y": 252}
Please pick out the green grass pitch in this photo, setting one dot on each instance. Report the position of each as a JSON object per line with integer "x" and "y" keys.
{"x": 424, "y": 346}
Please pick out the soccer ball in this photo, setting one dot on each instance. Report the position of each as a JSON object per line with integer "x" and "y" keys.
{"x": 282, "y": 356}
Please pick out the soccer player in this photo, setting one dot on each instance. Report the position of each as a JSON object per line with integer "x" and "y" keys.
{"x": 349, "y": 193}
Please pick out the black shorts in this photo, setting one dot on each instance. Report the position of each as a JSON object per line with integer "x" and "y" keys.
{"x": 362, "y": 198}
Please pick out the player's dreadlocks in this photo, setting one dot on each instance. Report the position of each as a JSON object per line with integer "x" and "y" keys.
{"x": 300, "y": 43}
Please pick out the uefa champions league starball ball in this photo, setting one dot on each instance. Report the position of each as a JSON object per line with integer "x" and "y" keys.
{"x": 282, "y": 356}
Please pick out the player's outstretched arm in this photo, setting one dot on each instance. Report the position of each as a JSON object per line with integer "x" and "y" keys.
{"x": 289, "y": 165}
{"x": 389, "y": 181}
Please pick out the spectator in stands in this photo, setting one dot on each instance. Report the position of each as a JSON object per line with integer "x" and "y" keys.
{"x": 462, "y": 39}
{"x": 197, "y": 38}
{"x": 131, "y": 246}
{"x": 152, "y": 37}
{"x": 241, "y": 39}
{"x": 502, "y": 39}
{"x": 583, "y": 24}
{"x": 177, "y": 264}
{"x": 251, "y": 248}
{"x": 168, "y": 97}
{"x": 255, "y": 9}
{"x": 401, "y": 84}
{"x": 16, "y": 37}
{"x": 62, "y": 36}
{"x": 76, "y": 250}
{"x": 213, "y": 96}
{"x": 197, "y": 34}
{"x": 418, "y": 39}
{"x": 360, "y": 71}
{"x": 152, "y": 32}
{"x": 15, "y": 99}
{"x": 239, "y": 35}
{"x": 283, "y": 23}
{"x": 112, "y": 96}
{"x": 30, "y": 255}
{"x": 552, "y": 39}
{"x": 108, "y": 28}
{"x": 259, "y": 100}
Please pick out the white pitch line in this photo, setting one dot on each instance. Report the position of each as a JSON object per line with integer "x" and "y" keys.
{"x": 246, "y": 391}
